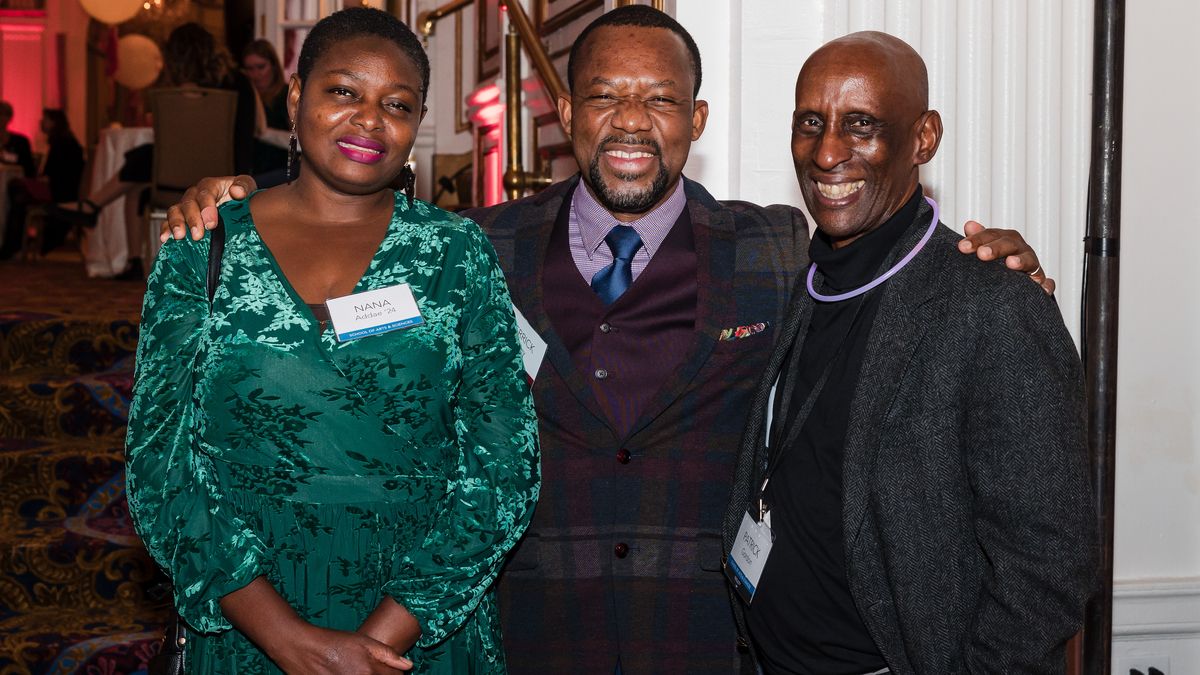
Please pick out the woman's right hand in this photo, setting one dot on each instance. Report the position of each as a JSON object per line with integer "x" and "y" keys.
{"x": 321, "y": 651}
{"x": 299, "y": 647}
{"x": 197, "y": 211}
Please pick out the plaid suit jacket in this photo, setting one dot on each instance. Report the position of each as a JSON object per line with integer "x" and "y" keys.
{"x": 568, "y": 602}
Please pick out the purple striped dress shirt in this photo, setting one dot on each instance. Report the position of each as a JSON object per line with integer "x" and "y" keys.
{"x": 589, "y": 223}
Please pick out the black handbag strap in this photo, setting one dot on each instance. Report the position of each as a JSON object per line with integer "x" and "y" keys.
{"x": 216, "y": 248}
{"x": 170, "y": 659}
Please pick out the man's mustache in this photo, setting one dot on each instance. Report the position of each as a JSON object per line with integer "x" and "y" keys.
{"x": 630, "y": 140}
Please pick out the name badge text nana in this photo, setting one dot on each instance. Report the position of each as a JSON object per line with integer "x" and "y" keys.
{"x": 373, "y": 312}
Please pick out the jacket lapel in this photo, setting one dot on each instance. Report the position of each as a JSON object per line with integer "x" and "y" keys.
{"x": 530, "y": 240}
{"x": 716, "y": 261}
{"x": 788, "y": 347}
{"x": 904, "y": 316}
{"x": 530, "y": 245}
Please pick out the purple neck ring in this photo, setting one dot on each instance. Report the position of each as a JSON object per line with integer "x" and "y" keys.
{"x": 812, "y": 269}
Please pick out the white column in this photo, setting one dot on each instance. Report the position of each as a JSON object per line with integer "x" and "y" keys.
{"x": 714, "y": 25}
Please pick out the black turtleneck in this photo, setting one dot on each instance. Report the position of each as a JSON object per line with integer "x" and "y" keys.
{"x": 803, "y": 618}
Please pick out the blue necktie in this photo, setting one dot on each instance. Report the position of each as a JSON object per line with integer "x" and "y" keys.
{"x": 610, "y": 282}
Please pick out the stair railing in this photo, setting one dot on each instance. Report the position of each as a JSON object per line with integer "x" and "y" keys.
{"x": 521, "y": 33}
{"x": 427, "y": 20}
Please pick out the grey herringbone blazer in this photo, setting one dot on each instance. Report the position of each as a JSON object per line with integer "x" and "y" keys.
{"x": 968, "y": 523}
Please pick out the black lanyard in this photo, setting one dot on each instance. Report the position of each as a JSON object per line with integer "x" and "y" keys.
{"x": 775, "y": 451}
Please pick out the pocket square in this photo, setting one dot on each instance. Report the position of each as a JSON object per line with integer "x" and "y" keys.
{"x": 742, "y": 332}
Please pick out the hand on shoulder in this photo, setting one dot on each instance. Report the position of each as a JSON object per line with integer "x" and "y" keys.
{"x": 197, "y": 210}
{"x": 996, "y": 243}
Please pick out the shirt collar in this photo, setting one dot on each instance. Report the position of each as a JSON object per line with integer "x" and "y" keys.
{"x": 595, "y": 221}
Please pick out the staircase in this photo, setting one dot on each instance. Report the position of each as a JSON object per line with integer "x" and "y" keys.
{"x": 78, "y": 593}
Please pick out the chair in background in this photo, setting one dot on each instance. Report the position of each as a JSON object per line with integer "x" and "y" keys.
{"x": 33, "y": 233}
{"x": 193, "y": 138}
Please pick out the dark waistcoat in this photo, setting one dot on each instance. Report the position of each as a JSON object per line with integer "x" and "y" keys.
{"x": 626, "y": 349}
{"x": 623, "y": 558}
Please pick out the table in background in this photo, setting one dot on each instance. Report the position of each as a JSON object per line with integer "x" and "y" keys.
{"x": 105, "y": 251}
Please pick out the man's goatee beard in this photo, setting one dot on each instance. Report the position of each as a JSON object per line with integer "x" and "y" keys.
{"x": 639, "y": 201}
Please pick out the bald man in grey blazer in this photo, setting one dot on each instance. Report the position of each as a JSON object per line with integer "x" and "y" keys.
{"x": 914, "y": 470}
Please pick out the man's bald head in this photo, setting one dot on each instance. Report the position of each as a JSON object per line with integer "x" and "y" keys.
{"x": 860, "y": 130}
{"x": 892, "y": 61}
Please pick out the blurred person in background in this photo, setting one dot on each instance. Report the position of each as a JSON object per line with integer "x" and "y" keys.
{"x": 260, "y": 63}
{"x": 191, "y": 57}
{"x": 57, "y": 181}
{"x": 14, "y": 148}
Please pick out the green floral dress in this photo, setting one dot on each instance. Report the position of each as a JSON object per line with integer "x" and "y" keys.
{"x": 403, "y": 464}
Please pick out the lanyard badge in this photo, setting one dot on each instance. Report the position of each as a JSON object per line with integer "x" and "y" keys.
{"x": 748, "y": 556}
{"x": 750, "y": 550}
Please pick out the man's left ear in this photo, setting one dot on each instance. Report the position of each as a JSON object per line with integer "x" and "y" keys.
{"x": 423, "y": 111}
{"x": 929, "y": 136}
{"x": 699, "y": 119}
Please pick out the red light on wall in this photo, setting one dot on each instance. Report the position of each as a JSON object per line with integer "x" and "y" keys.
{"x": 484, "y": 96}
{"x": 21, "y": 75}
{"x": 489, "y": 115}
{"x": 486, "y": 110}
{"x": 486, "y": 113}
{"x": 493, "y": 184}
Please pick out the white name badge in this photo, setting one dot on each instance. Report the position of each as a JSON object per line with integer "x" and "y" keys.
{"x": 373, "y": 312}
{"x": 533, "y": 347}
{"x": 745, "y": 563}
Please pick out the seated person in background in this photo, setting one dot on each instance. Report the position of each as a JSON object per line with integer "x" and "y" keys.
{"x": 14, "y": 148}
{"x": 923, "y": 500}
{"x": 191, "y": 57}
{"x": 261, "y": 65}
{"x": 58, "y": 181}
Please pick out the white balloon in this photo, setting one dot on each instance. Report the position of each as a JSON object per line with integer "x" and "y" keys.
{"x": 138, "y": 61}
{"x": 111, "y": 11}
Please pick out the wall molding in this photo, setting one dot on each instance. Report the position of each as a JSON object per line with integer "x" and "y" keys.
{"x": 1155, "y": 609}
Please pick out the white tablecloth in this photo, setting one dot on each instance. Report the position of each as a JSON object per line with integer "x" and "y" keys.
{"x": 105, "y": 250}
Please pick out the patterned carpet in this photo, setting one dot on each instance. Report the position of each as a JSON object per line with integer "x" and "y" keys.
{"x": 78, "y": 594}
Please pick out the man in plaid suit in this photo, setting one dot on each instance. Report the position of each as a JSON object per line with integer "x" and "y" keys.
{"x": 646, "y": 382}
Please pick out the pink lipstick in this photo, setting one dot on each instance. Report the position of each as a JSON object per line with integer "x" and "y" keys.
{"x": 362, "y": 150}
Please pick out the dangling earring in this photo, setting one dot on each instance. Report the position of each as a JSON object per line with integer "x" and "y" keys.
{"x": 408, "y": 182}
{"x": 293, "y": 152}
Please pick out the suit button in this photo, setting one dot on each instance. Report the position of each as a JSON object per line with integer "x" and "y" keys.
{"x": 601, "y": 373}
{"x": 621, "y": 550}
{"x": 623, "y": 456}
{"x": 743, "y": 645}
{"x": 605, "y": 327}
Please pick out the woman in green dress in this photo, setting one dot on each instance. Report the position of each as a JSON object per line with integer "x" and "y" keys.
{"x": 326, "y": 504}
